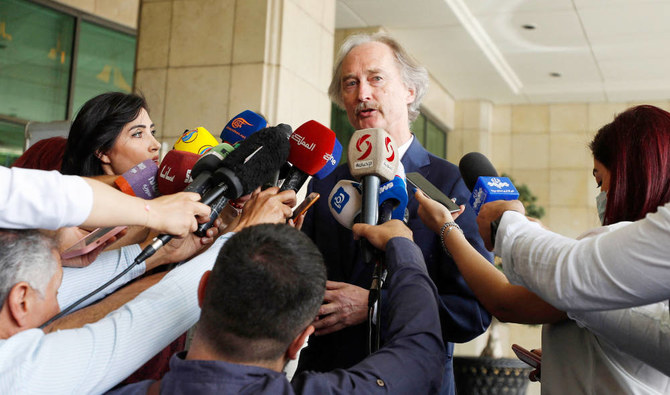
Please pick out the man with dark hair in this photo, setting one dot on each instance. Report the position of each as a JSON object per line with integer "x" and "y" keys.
{"x": 258, "y": 305}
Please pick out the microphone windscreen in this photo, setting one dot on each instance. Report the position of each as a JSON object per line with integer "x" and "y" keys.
{"x": 260, "y": 154}
{"x": 482, "y": 178}
{"x": 140, "y": 180}
{"x": 345, "y": 201}
{"x": 474, "y": 165}
{"x": 395, "y": 191}
{"x": 242, "y": 126}
{"x": 310, "y": 145}
{"x": 332, "y": 161}
{"x": 175, "y": 171}
{"x": 197, "y": 141}
{"x": 372, "y": 152}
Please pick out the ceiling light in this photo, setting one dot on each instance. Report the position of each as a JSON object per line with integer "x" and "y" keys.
{"x": 555, "y": 74}
{"x": 528, "y": 26}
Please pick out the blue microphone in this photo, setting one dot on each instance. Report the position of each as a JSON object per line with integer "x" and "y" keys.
{"x": 332, "y": 161}
{"x": 242, "y": 126}
{"x": 392, "y": 200}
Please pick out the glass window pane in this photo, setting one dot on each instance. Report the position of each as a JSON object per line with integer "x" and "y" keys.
{"x": 339, "y": 123}
{"x": 418, "y": 127}
{"x": 436, "y": 140}
{"x": 36, "y": 50}
{"x": 11, "y": 142}
{"x": 105, "y": 62}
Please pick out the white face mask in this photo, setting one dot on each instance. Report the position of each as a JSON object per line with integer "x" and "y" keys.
{"x": 601, "y": 204}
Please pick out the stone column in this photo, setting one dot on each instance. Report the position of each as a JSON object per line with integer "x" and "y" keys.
{"x": 200, "y": 62}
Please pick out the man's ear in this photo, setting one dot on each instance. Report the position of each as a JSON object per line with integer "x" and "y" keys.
{"x": 19, "y": 302}
{"x": 411, "y": 95}
{"x": 202, "y": 287}
{"x": 298, "y": 342}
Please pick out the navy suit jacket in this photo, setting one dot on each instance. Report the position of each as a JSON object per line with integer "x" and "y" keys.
{"x": 461, "y": 316}
{"x": 409, "y": 363}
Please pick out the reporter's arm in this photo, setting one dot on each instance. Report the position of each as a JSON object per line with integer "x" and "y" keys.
{"x": 507, "y": 302}
{"x": 622, "y": 268}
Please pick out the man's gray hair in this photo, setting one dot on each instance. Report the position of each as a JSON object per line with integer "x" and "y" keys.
{"x": 413, "y": 75}
{"x": 26, "y": 255}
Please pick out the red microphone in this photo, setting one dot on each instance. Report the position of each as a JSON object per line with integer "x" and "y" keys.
{"x": 174, "y": 173}
{"x": 311, "y": 146}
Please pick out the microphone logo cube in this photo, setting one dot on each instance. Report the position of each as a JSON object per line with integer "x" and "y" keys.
{"x": 372, "y": 152}
{"x": 197, "y": 141}
{"x": 489, "y": 189}
{"x": 339, "y": 200}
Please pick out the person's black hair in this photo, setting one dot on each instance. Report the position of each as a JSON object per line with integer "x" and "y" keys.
{"x": 95, "y": 129}
{"x": 266, "y": 287}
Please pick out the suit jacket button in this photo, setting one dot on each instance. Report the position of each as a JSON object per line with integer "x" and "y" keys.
{"x": 380, "y": 382}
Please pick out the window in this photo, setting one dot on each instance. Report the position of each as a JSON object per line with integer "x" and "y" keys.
{"x": 429, "y": 134}
{"x": 38, "y": 62}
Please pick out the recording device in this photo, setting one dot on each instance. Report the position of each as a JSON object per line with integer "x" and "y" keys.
{"x": 482, "y": 179}
{"x": 528, "y": 357}
{"x": 311, "y": 148}
{"x": 420, "y": 182}
{"x": 242, "y": 126}
{"x": 305, "y": 205}
{"x": 372, "y": 159}
{"x": 197, "y": 141}
{"x": 91, "y": 241}
{"x": 345, "y": 201}
{"x": 175, "y": 170}
{"x": 140, "y": 180}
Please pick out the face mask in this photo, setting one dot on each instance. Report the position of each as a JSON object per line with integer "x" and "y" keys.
{"x": 601, "y": 204}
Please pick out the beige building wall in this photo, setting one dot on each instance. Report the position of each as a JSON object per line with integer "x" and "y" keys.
{"x": 123, "y": 12}
{"x": 200, "y": 62}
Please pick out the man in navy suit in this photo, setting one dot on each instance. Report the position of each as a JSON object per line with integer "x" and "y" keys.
{"x": 380, "y": 86}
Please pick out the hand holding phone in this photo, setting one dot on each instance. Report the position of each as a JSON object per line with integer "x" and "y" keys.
{"x": 91, "y": 241}
{"x": 420, "y": 182}
{"x": 305, "y": 205}
{"x": 528, "y": 357}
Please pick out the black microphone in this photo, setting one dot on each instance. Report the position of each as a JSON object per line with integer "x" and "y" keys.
{"x": 483, "y": 181}
{"x": 242, "y": 171}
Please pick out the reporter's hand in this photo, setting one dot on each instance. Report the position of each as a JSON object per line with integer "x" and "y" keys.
{"x": 344, "y": 305}
{"x": 379, "y": 235}
{"x": 178, "y": 250}
{"x": 268, "y": 206}
{"x": 66, "y": 237}
{"x": 433, "y": 214}
{"x": 492, "y": 211}
{"x": 176, "y": 214}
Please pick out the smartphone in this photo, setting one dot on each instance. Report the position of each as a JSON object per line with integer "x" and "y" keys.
{"x": 528, "y": 357}
{"x": 91, "y": 241}
{"x": 419, "y": 181}
{"x": 305, "y": 205}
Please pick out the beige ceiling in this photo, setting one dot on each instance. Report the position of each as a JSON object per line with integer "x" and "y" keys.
{"x": 604, "y": 50}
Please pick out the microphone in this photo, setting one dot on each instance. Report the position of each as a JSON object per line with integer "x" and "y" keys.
{"x": 344, "y": 202}
{"x": 174, "y": 174}
{"x": 197, "y": 141}
{"x": 246, "y": 168}
{"x": 482, "y": 179}
{"x": 140, "y": 180}
{"x": 372, "y": 159}
{"x": 242, "y": 126}
{"x": 311, "y": 147}
{"x": 393, "y": 200}
{"x": 332, "y": 161}
{"x": 239, "y": 173}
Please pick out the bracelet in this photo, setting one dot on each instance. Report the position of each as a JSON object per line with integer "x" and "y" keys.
{"x": 448, "y": 225}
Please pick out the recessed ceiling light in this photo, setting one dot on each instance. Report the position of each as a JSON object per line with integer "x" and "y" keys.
{"x": 528, "y": 26}
{"x": 555, "y": 74}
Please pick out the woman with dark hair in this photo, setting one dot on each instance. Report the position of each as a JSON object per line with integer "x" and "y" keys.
{"x": 634, "y": 151}
{"x": 584, "y": 354}
{"x": 111, "y": 133}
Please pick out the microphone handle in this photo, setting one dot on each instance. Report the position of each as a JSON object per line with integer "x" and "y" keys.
{"x": 216, "y": 207}
{"x": 294, "y": 180}
{"x": 386, "y": 211}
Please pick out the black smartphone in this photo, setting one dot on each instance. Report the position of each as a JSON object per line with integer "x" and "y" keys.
{"x": 419, "y": 181}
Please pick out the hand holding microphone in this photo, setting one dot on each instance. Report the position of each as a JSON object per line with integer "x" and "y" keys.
{"x": 491, "y": 213}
